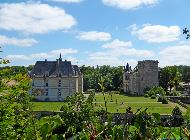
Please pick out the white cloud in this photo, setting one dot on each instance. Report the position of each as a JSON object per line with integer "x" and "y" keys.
{"x": 17, "y": 57}
{"x": 129, "y": 4}
{"x": 175, "y": 55}
{"x": 51, "y": 54}
{"x": 67, "y": 1}
{"x": 125, "y": 48}
{"x": 116, "y": 44}
{"x": 26, "y": 42}
{"x": 94, "y": 36}
{"x": 34, "y": 18}
{"x": 118, "y": 53}
{"x": 40, "y": 55}
{"x": 64, "y": 51}
{"x": 157, "y": 33}
{"x": 109, "y": 58}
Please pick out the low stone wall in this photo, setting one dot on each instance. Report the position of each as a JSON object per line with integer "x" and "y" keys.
{"x": 180, "y": 100}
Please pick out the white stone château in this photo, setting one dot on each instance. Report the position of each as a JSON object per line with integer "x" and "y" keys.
{"x": 55, "y": 80}
{"x": 145, "y": 75}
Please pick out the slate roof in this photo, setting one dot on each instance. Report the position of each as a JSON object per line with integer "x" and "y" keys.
{"x": 55, "y": 69}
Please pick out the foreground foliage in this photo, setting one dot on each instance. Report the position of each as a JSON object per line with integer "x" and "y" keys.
{"x": 80, "y": 120}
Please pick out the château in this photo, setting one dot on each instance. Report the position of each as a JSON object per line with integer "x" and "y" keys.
{"x": 55, "y": 80}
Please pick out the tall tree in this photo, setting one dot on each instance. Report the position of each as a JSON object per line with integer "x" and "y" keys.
{"x": 170, "y": 77}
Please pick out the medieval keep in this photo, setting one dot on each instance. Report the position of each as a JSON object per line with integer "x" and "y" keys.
{"x": 55, "y": 80}
{"x": 145, "y": 75}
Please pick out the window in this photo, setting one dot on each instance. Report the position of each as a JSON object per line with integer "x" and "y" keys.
{"x": 59, "y": 83}
{"x": 59, "y": 92}
{"x": 46, "y": 84}
{"x": 46, "y": 92}
{"x": 46, "y": 73}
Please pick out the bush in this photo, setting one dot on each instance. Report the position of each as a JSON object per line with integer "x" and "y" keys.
{"x": 176, "y": 93}
{"x": 146, "y": 95}
{"x": 153, "y": 97}
{"x": 160, "y": 99}
{"x": 146, "y": 90}
{"x": 114, "y": 92}
{"x": 89, "y": 91}
{"x": 164, "y": 101}
{"x": 64, "y": 108}
{"x": 155, "y": 91}
{"x": 176, "y": 111}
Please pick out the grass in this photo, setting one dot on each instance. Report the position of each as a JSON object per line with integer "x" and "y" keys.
{"x": 134, "y": 102}
{"x": 122, "y": 103}
{"x": 47, "y": 106}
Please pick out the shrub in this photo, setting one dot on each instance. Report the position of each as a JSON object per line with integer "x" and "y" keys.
{"x": 176, "y": 93}
{"x": 155, "y": 91}
{"x": 160, "y": 99}
{"x": 89, "y": 91}
{"x": 153, "y": 97}
{"x": 146, "y": 95}
{"x": 164, "y": 101}
{"x": 146, "y": 90}
{"x": 64, "y": 108}
{"x": 176, "y": 111}
{"x": 115, "y": 92}
{"x": 150, "y": 93}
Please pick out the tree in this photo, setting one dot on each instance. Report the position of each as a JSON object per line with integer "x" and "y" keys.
{"x": 186, "y": 32}
{"x": 170, "y": 77}
{"x": 3, "y": 61}
{"x": 112, "y": 77}
{"x": 101, "y": 83}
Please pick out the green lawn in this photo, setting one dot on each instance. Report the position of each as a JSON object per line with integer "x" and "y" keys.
{"x": 122, "y": 103}
{"x": 134, "y": 102}
{"x": 47, "y": 106}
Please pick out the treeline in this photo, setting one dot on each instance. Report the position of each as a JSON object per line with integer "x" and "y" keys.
{"x": 110, "y": 78}
{"x": 170, "y": 77}
{"x": 11, "y": 71}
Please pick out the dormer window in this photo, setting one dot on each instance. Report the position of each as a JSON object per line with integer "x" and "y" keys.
{"x": 46, "y": 74}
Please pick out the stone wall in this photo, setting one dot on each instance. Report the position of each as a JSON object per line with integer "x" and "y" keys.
{"x": 57, "y": 88}
{"x": 145, "y": 75}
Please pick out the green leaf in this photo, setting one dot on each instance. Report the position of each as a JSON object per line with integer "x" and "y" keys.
{"x": 156, "y": 116}
{"x": 45, "y": 129}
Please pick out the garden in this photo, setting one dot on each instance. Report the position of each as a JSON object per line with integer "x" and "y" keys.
{"x": 98, "y": 116}
{"x": 116, "y": 103}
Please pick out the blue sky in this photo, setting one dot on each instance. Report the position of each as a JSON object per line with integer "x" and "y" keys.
{"x": 95, "y": 32}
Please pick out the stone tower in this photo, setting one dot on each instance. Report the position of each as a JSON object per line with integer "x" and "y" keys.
{"x": 145, "y": 75}
{"x": 148, "y": 72}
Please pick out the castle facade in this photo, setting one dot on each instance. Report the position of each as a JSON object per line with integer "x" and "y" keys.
{"x": 145, "y": 75}
{"x": 55, "y": 80}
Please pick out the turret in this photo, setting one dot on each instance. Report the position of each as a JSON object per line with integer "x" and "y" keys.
{"x": 60, "y": 59}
